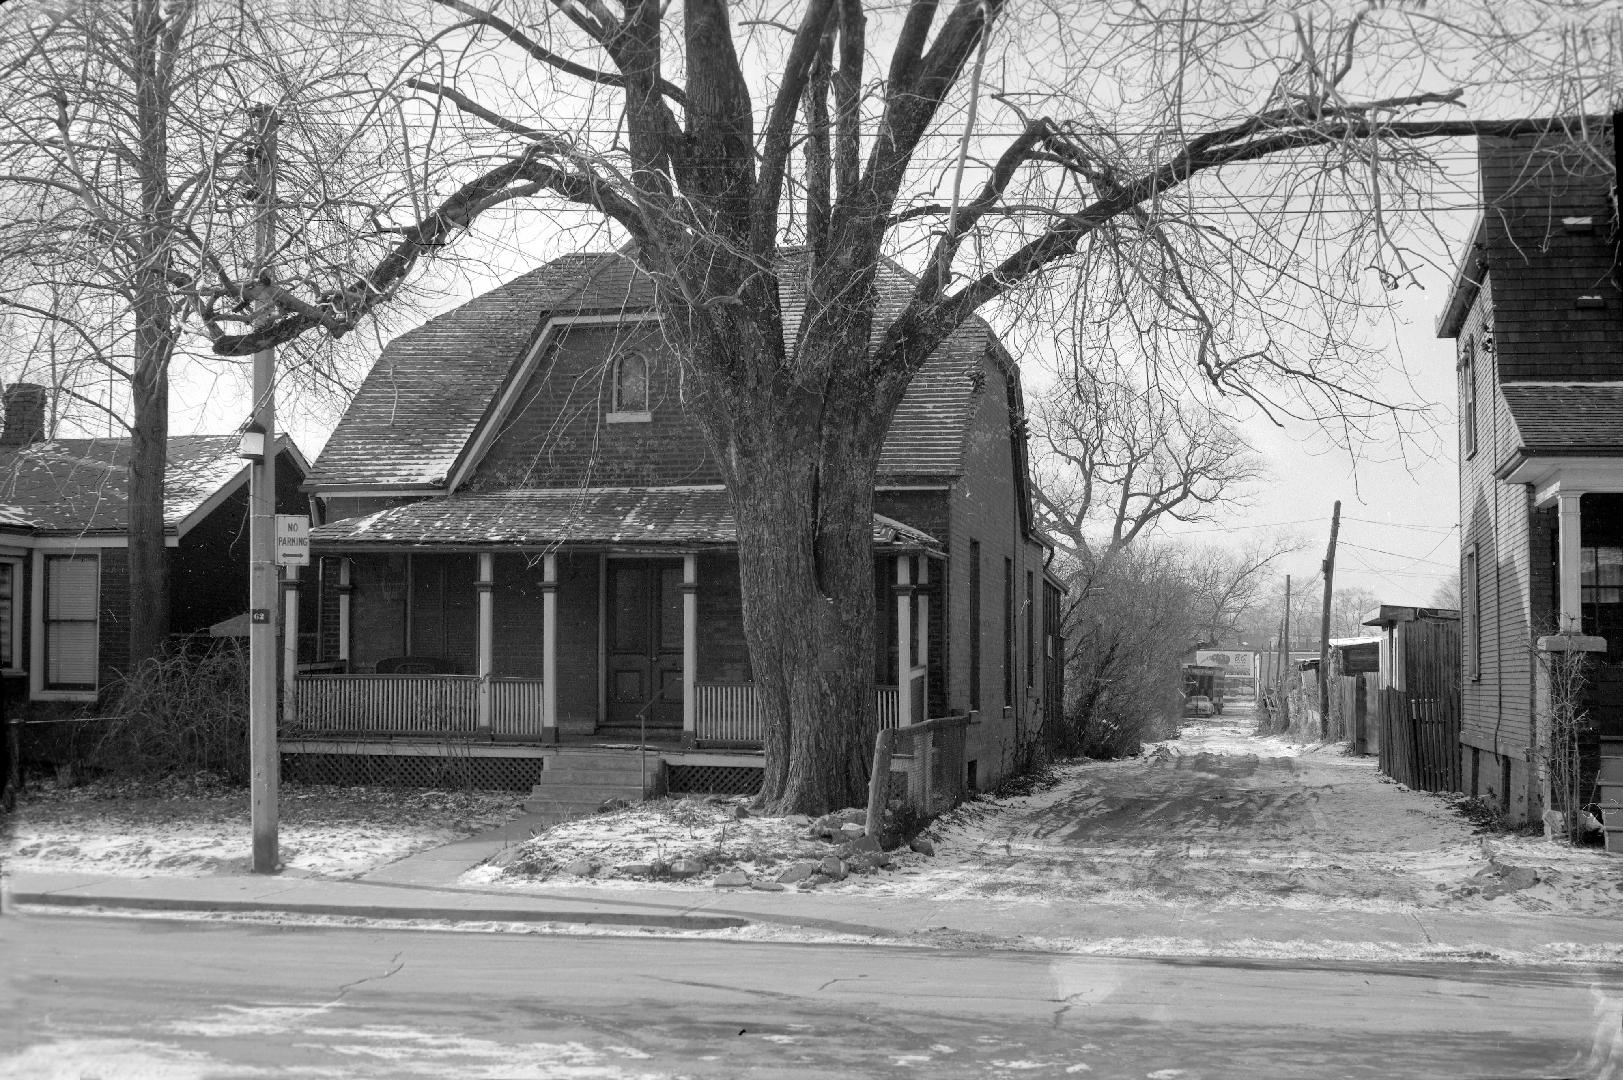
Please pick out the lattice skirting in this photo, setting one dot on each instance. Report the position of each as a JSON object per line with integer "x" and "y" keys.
{"x": 401, "y": 770}
{"x": 713, "y": 780}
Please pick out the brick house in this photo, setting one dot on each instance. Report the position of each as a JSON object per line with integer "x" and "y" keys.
{"x": 64, "y": 538}
{"x": 526, "y": 548}
{"x": 1537, "y": 315}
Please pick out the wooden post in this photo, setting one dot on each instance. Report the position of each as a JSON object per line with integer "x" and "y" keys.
{"x": 549, "y": 647}
{"x": 1324, "y": 626}
{"x": 1569, "y": 522}
{"x": 486, "y": 585}
{"x": 904, "y": 640}
{"x": 290, "y": 645}
{"x": 263, "y": 767}
{"x": 924, "y": 632}
{"x": 690, "y": 649}
{"x": 345, "y": 588}
{"x": 1284, "y": 661}
{"x": 879, "y": 781}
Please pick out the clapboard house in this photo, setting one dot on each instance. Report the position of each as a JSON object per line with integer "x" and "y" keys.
{"x": 526, "y": 552}
{"x": 1537, "y": 316}
{"x": 64, "y": 541}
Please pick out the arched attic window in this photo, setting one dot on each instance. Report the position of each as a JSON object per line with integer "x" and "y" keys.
{"x": 629, "y": 389}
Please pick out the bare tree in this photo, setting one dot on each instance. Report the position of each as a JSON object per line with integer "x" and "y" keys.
{"x": 1116, "y": 460}
{"x": 1348, "y": 606}
{"x": 128, "y": 226}
{"x": 1447, "y": 595}
{"x": 1114, "y": 170}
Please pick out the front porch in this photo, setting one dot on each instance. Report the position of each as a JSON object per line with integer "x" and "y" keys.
{"x": 507, "y": 649}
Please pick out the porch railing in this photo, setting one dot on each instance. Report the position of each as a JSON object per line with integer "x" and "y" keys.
{"x": 730, "y": 712}
{"x": 515, "y": 706}
{"x": 387, "y": 704}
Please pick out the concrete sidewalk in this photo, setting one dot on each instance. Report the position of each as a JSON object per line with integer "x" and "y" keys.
{"x": 422, "y": 887}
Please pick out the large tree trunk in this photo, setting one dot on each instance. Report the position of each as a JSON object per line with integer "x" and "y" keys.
{"x": 155, "y": 334}
{"x": 804, "y": 506}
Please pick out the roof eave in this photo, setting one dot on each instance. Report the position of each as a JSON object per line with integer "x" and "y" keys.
{"x": 1468, "y": 277}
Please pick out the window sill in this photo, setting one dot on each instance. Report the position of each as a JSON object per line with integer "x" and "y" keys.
{"x": 63, "y": 695}
{"x": 629, "y": 417}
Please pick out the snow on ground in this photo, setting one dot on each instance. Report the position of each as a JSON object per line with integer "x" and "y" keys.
{"x": 1218, "y": 818}
{"x": 200, "y": 826}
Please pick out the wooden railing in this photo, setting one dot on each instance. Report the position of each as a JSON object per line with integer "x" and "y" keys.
{"x": 730, "y": 712}
{"x": 411, "y": 704}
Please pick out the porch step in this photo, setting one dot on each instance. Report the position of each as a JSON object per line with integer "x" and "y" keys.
{"x": 576, "y": 783}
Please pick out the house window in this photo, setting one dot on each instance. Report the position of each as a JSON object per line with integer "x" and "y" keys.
{"x": 1468, "y": 396}
{"x": 630, "y": 404}
{"x": 11, "y": 610}
{"x": 974, "y": 624}
{"x": 1473, "y": 615}
{"x": 72, "y": 590}
{"x": 1008, "y": 631}
{"x": 1602, "y": 593}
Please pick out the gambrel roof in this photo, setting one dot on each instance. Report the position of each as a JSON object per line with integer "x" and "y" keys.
{"x": 81, "y": 486}
{"x": 413, "y": 418}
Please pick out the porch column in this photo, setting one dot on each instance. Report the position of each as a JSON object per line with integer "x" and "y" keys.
{"x": 1571, "y": 561}
{"x": 904, "y": 640}
{"x": 487, "y": 634}
{"x": 924, "y": 632}
{"x": 690, "y": 649}
{"x": 290, "y": 643}
{"x": 549, "y": 648}
{"x": 344, "y": 591}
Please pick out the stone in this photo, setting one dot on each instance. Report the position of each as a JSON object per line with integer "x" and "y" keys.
{"x": 797, "y": 819}
{"x": 741, "y": 811}
{"x": 581, "y": 868}
{"x": 863, "y": 843}
{"x": 637, "y": 869}
{"x": 832, "y": 867}
{"x": 862, "y": 860}
{"x": 609, "y": 806}
{"x": 851, "y": 830}
{"x": 797, "y": 872}
{"x": 687, "y": 868}
{"x": 732, "y": 879}
{"x": 768, "y": 886}
{"x": 922, "y": 846}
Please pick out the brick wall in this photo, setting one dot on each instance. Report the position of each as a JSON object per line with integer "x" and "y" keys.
{"x": 578, "y": 673}
{"x": 558, "y": 434}
{"x": 723, "y": 652}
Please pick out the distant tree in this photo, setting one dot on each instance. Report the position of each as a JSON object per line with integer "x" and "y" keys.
{"x": 1447, "y": 594}
{"x": 1348, "y": 606}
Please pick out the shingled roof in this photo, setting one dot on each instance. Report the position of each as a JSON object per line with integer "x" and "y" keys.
{"x": 636, "y": 517}
{"x": 429, "y": 390}
{"x": 1567, "y": 418}
{"x": 79, "y": 486}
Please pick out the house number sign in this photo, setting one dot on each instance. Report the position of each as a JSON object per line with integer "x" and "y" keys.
{"x": 292, "y": 540}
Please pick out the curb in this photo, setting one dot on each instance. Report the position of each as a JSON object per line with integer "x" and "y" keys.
{"x": 373, "y": 911}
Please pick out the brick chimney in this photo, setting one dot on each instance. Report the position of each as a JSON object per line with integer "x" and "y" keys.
{"x": 25, "y": 414}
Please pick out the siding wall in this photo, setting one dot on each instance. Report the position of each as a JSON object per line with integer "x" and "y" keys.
{"x": 984, "y": 507}
{"x": 557, "y": 434}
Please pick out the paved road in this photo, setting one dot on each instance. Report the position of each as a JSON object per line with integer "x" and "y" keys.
{"x": 110, "y": 999}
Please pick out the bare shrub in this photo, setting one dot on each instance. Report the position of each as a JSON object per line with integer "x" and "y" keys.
{"x": 183, "y": 711}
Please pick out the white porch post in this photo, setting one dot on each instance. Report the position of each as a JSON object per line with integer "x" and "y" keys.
{"x": 904, "y": 640}
{"x": 344, "y": 590}
{"x": 549, "y": 648}
{"x": 290, "y": 644}
{"x": 924, "y": 632}
{"x": 487, "y": 634}
{"x": 1571, "y": 561}
{"x": 690, "y": 649}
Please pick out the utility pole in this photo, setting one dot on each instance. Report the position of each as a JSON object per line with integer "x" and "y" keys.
{"x": 264, "y": 767}
{"x": 1324, "y": 626}
{"x": 1284, "y": 661}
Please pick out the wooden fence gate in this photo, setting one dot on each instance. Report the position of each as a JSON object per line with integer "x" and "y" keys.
{"x": 1420, "y": 724}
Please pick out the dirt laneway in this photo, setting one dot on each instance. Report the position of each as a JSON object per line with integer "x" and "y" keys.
{"x": 1220, "y": 817}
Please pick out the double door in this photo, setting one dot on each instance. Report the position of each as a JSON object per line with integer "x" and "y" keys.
{"x": 645, "y": 643}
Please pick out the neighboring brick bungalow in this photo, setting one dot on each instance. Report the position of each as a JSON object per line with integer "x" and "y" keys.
{"x": 64, "y": 577}
{"x": 526, "y": 543}
{"x": 1538, "y": 316}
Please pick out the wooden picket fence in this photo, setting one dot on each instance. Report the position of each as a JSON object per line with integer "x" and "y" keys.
{"x": 1420, "y": 724}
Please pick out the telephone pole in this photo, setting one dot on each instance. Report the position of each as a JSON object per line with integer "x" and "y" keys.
{"x": 1284, "y": 661}
{"x": 263, "y": 764}
{"x": 1324, "y": 626}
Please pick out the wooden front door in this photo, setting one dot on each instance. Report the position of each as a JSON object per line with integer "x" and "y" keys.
{"x": 645, "y": 642}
